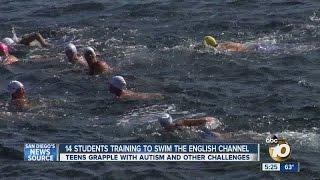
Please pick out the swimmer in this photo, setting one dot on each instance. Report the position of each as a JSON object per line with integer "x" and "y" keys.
{"x": 118, "y": 87}
{"x": 5, "y": 57}
{"x": 26, "y": 40}
{"x": 73, "y": 56}
{"x": 226, "y": 46}
{"x": 18, "y": 95}
{"x": 95, "y": 66}
{"x": 167, "y": 123}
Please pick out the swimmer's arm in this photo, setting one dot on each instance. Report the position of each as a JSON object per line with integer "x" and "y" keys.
{"x": 41, "y": 58}
{"x": 195, "y": 122}
{"x": 231, "y": 46}
{"x": 130, "y": 95}
{"x": 10, "y": 60}
{"x": 99, "y": 67}
{"x": 172, "y": 127}
{"x": 105, "y": 66}
{"x": 26, "y": 40}
{"x": 19, "y": 104}
{"x": 153, "y": 96}
{"x": 82, "y": 61}
{"x": 15, "y": 38}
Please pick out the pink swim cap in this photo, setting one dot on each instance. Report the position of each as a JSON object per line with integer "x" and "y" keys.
{"x": 4, "y": 48}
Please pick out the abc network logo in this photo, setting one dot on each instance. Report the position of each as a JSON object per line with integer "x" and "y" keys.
{"x": 279, "y": 149}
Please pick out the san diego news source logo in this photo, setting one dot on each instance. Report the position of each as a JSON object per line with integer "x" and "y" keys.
{"x": 279, "y": 149}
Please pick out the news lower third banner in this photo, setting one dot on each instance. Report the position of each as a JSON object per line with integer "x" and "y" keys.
{"x": 142, "y": 152}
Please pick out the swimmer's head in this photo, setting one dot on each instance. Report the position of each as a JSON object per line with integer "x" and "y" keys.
{"x": 165, "y": 120}
{"x": 210, "y": 41}
{"x": 89, "y": 53}
{"x": 117, "y": 85}
{"x": 71, "y": 51}
{"x": 4, "y": 50}
{"x": 15, "y": 88}
{"x": 8, "y": 41}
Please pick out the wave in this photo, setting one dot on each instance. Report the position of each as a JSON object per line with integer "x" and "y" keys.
{"x": 69, "y": 9}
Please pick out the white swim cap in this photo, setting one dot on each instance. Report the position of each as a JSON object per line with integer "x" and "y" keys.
{"x": 14, "y": 86}
{"x": 8, "y": 41}
{"x": 165, "y": 119}
{"x": 71, "y": 47}
{"x": 118, "y": 82}
{"x": 89, "y": 50}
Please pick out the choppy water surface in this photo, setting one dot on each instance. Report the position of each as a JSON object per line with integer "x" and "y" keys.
{"x": 155, "y": 44}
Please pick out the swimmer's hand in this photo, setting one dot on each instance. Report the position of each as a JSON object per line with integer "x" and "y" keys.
{"x": 14, "y": 35}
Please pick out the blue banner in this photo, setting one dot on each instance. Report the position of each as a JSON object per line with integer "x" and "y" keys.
{"x": 289, "y": 167}
{"x": 40, "y": 152}
{"x": 160, "y": 148}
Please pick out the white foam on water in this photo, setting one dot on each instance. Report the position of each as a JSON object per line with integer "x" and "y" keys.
{"x": 144, "y": 115}
{"x": 314, "y": 17}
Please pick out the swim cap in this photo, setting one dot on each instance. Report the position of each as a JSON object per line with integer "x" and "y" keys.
{"x": 71, "y": 47}
{"x": 8, "y": 41}
{"x": 14, "y": 86}
{"x": 165, "y": 119}
{"x": 209, "y": 40}
{"x": 4, "y": 48}
{"x": 89, "y": 50}
{"x": 118, "y": 82}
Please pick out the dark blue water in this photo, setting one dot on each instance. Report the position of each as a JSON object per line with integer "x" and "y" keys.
{"x": 155, "y": 44}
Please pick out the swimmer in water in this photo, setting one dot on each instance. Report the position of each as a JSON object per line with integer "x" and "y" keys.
{"x": 73, "y": 56}
{"x": 18, "y": 95}
{"x": 95, "y": 66}
{"x": 226, "y": 46}
{"x": 26, "y": 39}
{"x": 167, "y": 123}
{"x": 5, "y": 57}
{"x": 118, "y": 87}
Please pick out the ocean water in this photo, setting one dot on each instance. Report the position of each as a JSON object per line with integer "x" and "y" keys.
{"x": 272, "y": 89}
